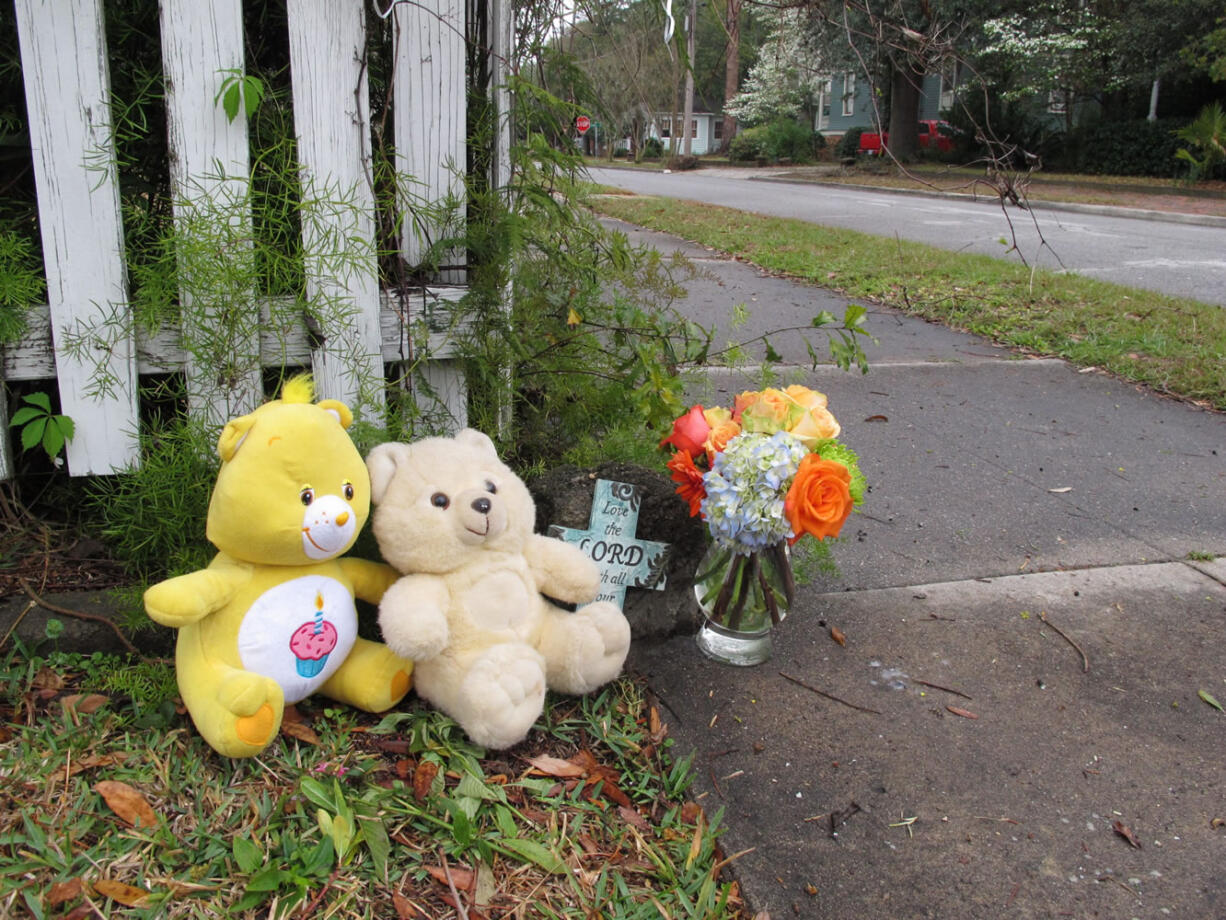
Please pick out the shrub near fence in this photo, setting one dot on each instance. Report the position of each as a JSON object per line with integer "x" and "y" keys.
{"x": 341, "y": 325}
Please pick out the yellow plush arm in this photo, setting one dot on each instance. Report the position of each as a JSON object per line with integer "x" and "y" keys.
{"x": 188, "y": 598}
{"x": 370, "y": 579}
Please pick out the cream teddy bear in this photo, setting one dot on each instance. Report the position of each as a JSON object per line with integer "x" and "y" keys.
{"x": 469, "y": 610}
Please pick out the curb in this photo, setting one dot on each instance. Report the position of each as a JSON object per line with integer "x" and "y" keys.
{"x": 1176, "y": 217}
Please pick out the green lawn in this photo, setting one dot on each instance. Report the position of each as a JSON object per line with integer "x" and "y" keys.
{"x": 112, "y": 805}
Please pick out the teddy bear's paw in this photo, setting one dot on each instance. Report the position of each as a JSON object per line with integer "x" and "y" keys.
{"x": 503, "y": 695}
{"x": 243, "y": 716}
{"x": 587, "y": 648}
{"x": 244, "y": 693}
{"x": 416, "y": 637}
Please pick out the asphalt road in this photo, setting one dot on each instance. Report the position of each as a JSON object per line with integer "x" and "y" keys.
{"x": 1171, "y": 257}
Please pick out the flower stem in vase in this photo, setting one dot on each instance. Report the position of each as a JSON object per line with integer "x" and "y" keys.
{"x": 727, "y": 589}
{"x": 783, "y": 565}
{"x": 744, "y": 586}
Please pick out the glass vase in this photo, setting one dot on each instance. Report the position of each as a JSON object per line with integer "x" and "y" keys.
{"x": 742, "y": 595}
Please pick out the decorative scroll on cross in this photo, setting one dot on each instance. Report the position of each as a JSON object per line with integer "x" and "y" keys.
{"x": 624, "y": 560}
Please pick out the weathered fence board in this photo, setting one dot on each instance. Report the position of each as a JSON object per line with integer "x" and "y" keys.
{"x": 202, "y": 54}
{"x": 327, "y": 40}
{"x": 428, "y": 89}
{"x": 85, "y": 336}
{"x": 63, "y": 54}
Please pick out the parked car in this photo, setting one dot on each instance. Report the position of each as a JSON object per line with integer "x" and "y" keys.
{"x": 933, "y": 134}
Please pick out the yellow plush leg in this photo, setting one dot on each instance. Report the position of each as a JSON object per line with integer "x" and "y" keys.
{"x": 373, "y": 678}
{"x": 237, "y": 712}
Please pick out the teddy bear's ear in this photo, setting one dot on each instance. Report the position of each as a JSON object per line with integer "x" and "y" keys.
{"x": 338, "y": 409}
{"x": 476, "y": 440}
{"x": 232, "y": 436}
{"x": 381, "y": 463}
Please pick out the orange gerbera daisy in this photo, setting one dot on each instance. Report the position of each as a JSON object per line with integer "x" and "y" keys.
{"x": 689, "y": 480}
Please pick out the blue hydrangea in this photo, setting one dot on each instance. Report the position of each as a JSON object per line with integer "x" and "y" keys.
{"x": 746, "y": 486}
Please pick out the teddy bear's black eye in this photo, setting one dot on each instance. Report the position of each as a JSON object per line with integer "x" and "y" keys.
{"x": 307, "y": 496}
{"x": 439, "y": 500}
{"x": 490, "y": 487}
{"x": 347, "y": 491}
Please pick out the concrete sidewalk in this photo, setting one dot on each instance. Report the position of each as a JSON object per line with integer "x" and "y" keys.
{"x": 1027, "y": 625}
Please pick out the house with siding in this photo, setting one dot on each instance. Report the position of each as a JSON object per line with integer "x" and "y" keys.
{"x": 706, "y": 131}
{"x": 845, "y": 102}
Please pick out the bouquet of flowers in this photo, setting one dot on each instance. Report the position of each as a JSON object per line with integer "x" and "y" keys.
{"x": 763, "y": 475}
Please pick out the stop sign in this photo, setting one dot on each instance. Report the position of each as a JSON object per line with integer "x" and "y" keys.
{"x": 582, "y": 123}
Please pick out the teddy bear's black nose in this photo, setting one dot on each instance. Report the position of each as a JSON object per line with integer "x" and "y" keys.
{"x": 481, "y": 506}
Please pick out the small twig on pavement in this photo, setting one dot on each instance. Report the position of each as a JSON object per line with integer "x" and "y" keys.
{"x": 924, "y": 683}
{"x": 829, "y": 696}
{"x": 78, "y": 614}
{"x": 1085, "y": 661}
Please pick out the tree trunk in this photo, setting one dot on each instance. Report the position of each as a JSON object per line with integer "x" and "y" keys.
{"x": 732, "y": 69}
{"x": 905, "y": 83}
{"x": 1153, "y": 101}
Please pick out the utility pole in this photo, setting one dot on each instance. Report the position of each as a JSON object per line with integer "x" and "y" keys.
{"x": 691, "y": 28}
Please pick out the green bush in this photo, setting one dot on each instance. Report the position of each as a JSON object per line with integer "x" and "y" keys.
{"x": 653, "y": 147}
{"x": 749, "y": 145}
{"x": 783, "y": 139}
{"x": 849, "y": 145}
{"x": 1121, "y": 148}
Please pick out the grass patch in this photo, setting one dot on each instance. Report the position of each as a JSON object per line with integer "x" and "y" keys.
{"x": 1175, "y": 345}
{"x": 113, "y": 806}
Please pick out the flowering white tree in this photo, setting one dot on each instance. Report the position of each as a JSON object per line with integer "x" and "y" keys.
{"x": 787, "y": 77}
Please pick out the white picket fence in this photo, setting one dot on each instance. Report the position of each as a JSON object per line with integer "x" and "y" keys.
{"x": 64, "y": 66}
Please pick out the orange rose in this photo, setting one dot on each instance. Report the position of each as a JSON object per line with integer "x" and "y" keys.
{"x": 723, "y": 430}
{"x": 819, "y": 500}
{"x": 689, "y": 480}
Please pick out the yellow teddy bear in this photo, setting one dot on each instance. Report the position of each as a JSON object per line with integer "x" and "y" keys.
{"x": 272, "y": 619}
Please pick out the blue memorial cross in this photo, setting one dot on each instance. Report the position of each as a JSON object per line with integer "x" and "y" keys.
{"x": 624, "y": 560}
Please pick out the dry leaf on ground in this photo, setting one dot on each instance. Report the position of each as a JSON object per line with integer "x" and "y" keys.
{"x": 1126, "y": 832}
{"x": 126, "y": 802}
{"x": 128, "y": 895}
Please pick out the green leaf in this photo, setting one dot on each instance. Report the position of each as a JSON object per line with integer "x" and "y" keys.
{"x": 32, "y": 434}
{"x": 270, "y": 879}
{"x": 375, "y": 835}
{"x": 247, "y": 856}
{"x": 317, "y": 793}
{"x": 25, "y": 414}
{"x": 53, "y": 440}
{"x": 1208, "y": 698}
{"x": 771, "y": 355}
{"x": 825, "y": 318}
{"x": 253, "y": 94}
{"x": 42, "y": 400}
{"x": 66, "y": 426}
{"x": 230, "y": 99}
{"x": 534, "y": 852}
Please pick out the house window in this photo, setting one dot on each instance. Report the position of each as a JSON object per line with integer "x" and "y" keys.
{"x": 949, "y": 85}
{"x": 824, "y": 91}
{"x": 694, "y": 128}
{"x": 666, "y": 127}
{"x": 717, "y": 129}
{"x": 849, "y": 93}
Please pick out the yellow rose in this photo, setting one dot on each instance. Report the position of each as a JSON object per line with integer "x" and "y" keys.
{"x": 772, "y": 410}
{"x": 814, "y": 425}
{"x": 806, "y": 398}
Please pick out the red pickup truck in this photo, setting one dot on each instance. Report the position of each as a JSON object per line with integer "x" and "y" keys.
{"x": 933, "y": 134}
